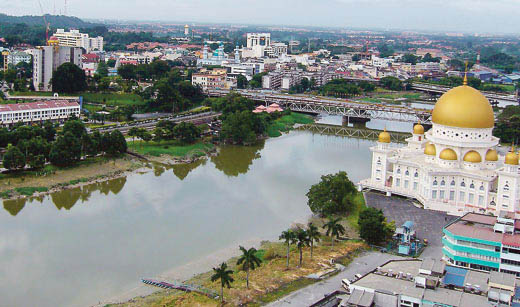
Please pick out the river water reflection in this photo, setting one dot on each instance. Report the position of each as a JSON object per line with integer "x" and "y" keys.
{"x": 82, "y": 245}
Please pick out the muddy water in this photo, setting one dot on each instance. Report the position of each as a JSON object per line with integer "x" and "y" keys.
{"x": 84, "y": 245}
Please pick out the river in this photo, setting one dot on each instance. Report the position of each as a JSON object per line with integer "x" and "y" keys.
{"x": 81, "y": 246}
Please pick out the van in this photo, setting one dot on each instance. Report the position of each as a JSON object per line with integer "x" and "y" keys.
{"x": 345, "y": 283}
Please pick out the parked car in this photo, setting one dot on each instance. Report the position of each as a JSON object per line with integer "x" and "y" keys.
{"x": 345, "y": 283}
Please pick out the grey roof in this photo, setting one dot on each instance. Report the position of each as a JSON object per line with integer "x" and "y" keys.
{"x": 443, "y": 296}
{"x": 361, "y": 298}
{"x": 473, "y": 300}
{"x": 476, "y": 278}
{"x": 430, "y": 264}
{"x": 504, "y": 279}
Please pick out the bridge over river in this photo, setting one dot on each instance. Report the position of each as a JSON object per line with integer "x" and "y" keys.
{"x": 352, "y": 132}
{"x": 352, "y": 111}
{"x": 493, "y": 97}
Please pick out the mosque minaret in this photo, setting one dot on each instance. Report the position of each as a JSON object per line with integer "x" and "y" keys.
{"x": 454, "y": 166}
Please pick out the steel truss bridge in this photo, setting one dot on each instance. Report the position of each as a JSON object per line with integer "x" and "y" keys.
{"x": 353, "y": 132}
{"x": 353, "y": 111}
{"x": 439, "y": 89}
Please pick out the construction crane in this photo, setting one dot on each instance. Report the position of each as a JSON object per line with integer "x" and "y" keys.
{"x": 47, "y": 24}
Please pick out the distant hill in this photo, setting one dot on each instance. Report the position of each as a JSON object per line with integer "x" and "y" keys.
{"x": 56, "y": 21}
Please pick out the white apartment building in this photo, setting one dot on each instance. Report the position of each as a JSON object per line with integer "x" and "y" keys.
{"x": 74, "y": 38}
{"x": 55, "y": 110}
{"x": 272, "y": 80}
{"x": 47, "y": 59}
{"x": 16, "y": 57}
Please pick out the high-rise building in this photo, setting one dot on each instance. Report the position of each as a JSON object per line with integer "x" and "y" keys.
{"x": 186, "y": 30}
{"x": 74, "y": 38}
{"x": 46, "y": 60}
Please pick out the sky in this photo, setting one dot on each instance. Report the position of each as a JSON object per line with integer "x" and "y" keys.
{"x": 484, "y": 16}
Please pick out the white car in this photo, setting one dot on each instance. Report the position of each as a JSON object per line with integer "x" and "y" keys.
{"x": 345, "y": 283}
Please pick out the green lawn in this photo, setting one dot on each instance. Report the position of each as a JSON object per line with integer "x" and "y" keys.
{"x": 284, "y": 123}
{"x": 359, "y": 205}
{"x": 172, "y": 148}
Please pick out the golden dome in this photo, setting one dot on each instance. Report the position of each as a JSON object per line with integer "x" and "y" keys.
{"x": 511, "y": 158}
{"x": 418, "y": 129}
{"x": 464, "y": 107}
{"x": 430, "y": 150}
{"x": 448, "y": 154}
{"x": 384, "y": 137}
{"x": 491, "y": 155}
{"x": 473, "y": 157}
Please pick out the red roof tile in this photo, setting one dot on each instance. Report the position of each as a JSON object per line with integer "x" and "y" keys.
{"x": 37, "y": 105}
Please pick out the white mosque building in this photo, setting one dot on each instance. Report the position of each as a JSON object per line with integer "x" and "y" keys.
{"x": 454, "y": 166}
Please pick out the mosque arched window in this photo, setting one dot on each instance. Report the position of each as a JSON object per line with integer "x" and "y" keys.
{"x": 443, "y": 183}
{"x": 399, "y": 171}
{"x": 407, "y": 173}
{"x": 506, "y": 187}
{"x": 481, "y": 188}
{"x": 463, "y": 184}
{"x": 416, "y": 174}
{"x": 452, "y": 183}
{"x": 492, "y": 203}
{"x": 435, "y": 182}
{"x": 472, "y": 186}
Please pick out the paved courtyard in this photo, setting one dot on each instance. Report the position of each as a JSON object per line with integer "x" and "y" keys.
{"x": 428, "y": 223}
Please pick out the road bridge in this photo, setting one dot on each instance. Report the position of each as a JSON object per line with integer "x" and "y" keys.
{"x": 150, "y": 124}
{"x": 351, "y": 110}
{"x": 352, "y": 132}
{"x": 493, "y": 97}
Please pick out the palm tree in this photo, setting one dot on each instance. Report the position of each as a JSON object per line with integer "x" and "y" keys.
{"x": 249, "y": 261}
{"x": 225, "y": 277}
{"x": 314, "y": 235}
{"x": 133, "y": 132}
{"x": 289, "y": 237}
{"x": 302, "y": 239}
{"x": 334, "y": 228}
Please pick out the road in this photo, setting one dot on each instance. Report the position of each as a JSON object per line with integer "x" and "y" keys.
{"x": 313, "y": 293}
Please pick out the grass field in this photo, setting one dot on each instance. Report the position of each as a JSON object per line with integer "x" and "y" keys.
{"x": 172, "y": 148}
{"x": 359, "y": 205}
{"x": 285, "y": 123}
{"x": 269, "y": 282}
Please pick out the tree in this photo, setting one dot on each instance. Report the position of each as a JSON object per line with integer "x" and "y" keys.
{"x": 186, "y": 132}
{"x": 334, "y": 229}
{"x": 373, "y": 227}
{"x": 102, "y": 70}
{"x": 241, "y": 82}
{"x": 410, "y": 58}
{"x": 66, "y": 150}
{"x": 13, "y": 158}
{"x": 314, "y": 235}
{"x": 302, "y": 240}
{"x": 224, "y": 275}
{"x": 333, "y": 194}
{"x": 68, "y": 78}
{"x": 249, "y": 261}
{"x": 127, "y": 71}
{"x": 391, "y": 83}
{"x": 133, "y": 132}
{"x": 114, "y": 143}
{"x": 49, "y": 131}
{"x": 256, "y": 82}
{"x": 289, "y": 237}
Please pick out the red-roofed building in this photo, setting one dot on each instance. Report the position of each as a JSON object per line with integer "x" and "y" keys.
{"x": 90, "y": 58}
{"x": 53, "y": 110}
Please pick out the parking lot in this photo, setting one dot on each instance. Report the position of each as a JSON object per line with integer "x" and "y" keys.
{"x": 428, "y": 223}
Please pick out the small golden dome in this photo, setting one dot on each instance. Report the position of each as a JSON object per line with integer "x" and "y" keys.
{"x": 464, "y": 107}
{"x": 491, "y": 155}
{"x": 384, "y": 137}
{"x": 473, "y": 157}
{"x": 430, "y": 150}
{"x": 418, "y": 129}
{"x": 448, "y": 154}
{"x": 511, "y": 158}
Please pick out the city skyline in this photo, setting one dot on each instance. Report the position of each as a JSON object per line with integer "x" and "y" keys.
{"x": 484, "y": 16}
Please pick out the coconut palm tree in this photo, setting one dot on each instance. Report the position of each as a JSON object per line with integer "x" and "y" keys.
{"x": 314, "y": 235}
{"x": 289, "y": 237}
{"x": 249, "y": 261}
{"x": 225, "y": 277}
{"x": 334, "y": 228}
{"x": 302, "y": 240}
